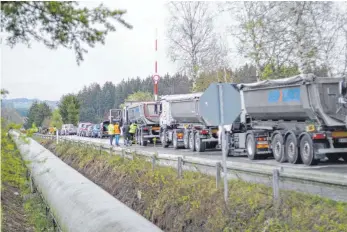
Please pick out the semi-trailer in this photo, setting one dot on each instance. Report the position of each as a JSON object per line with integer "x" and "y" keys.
{"x": 182, "y": 125}
{"x": 296, "y": 119}
{"x": 146, "y": 116}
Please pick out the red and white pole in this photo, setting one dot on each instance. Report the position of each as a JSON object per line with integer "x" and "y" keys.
{"x": 156, "y": 75}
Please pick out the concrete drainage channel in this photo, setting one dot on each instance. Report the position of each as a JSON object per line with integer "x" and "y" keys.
{"x": 76, "y": 203}
{"x": 332, "y": 186}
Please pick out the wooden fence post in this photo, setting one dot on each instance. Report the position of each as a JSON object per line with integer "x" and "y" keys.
{"x": 179, "y": 167}
{"x": 218, "y": 174}
{"x": 276, "y": 187}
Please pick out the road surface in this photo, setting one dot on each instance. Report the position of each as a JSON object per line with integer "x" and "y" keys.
{"x": 324, "y": 166}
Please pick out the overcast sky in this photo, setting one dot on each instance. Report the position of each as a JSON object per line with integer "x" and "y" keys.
{"x": 38, "y": 72}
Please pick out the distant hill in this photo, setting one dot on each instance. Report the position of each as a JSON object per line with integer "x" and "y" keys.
{"x": 12, "y": 115}
{"x": 22, "y": 105}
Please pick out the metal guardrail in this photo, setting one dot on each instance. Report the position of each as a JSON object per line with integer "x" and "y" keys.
{"x": 333, "y": 186}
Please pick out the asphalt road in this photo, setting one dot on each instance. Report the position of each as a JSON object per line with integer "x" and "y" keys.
{"x": 324, "y": 166}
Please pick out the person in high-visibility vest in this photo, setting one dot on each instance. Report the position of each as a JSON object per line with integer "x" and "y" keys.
{"x": 116, "y": 133}
{"x": 110, "y": 129}
{"x": 132, "y": 130}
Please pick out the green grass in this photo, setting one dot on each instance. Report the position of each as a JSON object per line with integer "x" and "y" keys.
{"x": 194, "y": 204}
{"x": 13, "y": 174}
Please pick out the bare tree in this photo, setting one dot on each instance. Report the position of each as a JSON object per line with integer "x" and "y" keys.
{"x": 260, "y": 33}
{"x": 309, "y": 34}
{"x": 192, "y": 39}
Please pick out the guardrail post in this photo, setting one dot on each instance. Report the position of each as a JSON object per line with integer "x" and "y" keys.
{"x": 100, "y": 147}
{"x": 57, "y": 136}
{"x": 153, "y": 162}
{"x": 179, "y": 167}
{"x": 276, "y": 187}
{"x": 218, "y": 174}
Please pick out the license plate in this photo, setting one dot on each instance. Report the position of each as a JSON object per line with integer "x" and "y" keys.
{"x": 339, "y": 134}
{"x": 214, "y": 131}
{"x": 343, "y": 140}
{"x": 156, "y": 128}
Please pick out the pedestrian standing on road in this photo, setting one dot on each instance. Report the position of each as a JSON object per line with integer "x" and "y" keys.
{"x": 116, "y": 133}
{"x": 126, "y": 134}
{"x": 111, "y": 132}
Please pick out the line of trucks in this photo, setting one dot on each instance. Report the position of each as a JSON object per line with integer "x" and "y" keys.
{"x": 301, "y": 119}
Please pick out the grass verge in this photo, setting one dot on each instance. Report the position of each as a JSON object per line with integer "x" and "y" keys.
{"x": 193, "y": 203}
{"x": 20, "y": 209}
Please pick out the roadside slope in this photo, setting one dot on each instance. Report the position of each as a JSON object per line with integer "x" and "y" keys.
{"x": 20, "y": 209}
{"x": 193, "y": 203}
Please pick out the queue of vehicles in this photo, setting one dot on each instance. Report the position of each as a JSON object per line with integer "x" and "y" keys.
{"x": 301, "y": 119}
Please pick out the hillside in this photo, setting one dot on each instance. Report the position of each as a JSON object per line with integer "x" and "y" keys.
{"x": 12, "y": 115}
{"x": 22, "y": 105}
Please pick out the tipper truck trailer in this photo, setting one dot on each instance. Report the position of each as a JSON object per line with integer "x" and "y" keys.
{"x": 182, "y": 125}
{"x": 297, "y": 119}
{"x": 146, "y": 116}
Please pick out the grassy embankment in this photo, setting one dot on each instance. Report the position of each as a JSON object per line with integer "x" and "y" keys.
{"x": 20, "y": 209}
{"x": 193, "y": 203}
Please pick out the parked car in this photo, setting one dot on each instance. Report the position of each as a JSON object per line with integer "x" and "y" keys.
{"x": 68, "y": 129}
{"x": 103, "y": 132}
{"x": 84, "y": 129}
{"x": 89, "y": 130}
{"x": 95, "y": 130}
{"x": 81, "y": 128}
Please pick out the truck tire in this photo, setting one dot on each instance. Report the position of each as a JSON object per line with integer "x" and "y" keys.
{"x": 186, "y": 140}
{"x": 291, "y": 149}
{"x": 333, "y": 157}
{"x": 199, "y": 145}
{"x": 191, "y": 141}
{"x": 277, "y": 145}
{"x": 174, "y": 141}
{"x": 251, "y": 147}
{"x": 306, "y": 150}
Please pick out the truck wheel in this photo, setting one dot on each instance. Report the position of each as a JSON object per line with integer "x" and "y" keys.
{"x": 186, "y": 140}
{"x": 278, "y": 148}
{"x": 251, "y": 149}
{"x": 291, "y": 150}
{"x": 306, "y": 150}
{"x": 191, "y": 141}
{"x": 333, "y": 157}
{"x": 174, "y": 141}
{"x": 162, "y": 140}
{"x": 199, "y": 145}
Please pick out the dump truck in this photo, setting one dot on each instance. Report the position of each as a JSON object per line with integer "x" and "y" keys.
{"x": 146, "y": 116}
{"x": 297, "y": 119}
{"x": 182, "y": 125}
